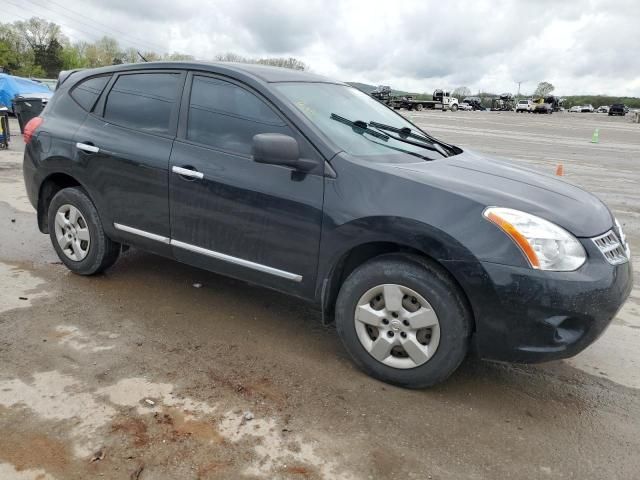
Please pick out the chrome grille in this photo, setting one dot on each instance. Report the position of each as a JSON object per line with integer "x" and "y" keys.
{"x": 612, "y": 248}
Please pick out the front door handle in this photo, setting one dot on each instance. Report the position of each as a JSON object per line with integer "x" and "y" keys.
{"x": 87, "y": 147}
{"x": 187, "y": 172}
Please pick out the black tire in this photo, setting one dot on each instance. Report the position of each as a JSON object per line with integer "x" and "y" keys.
{"x": 436, "y": 286}
{"x": 102, "y": 251}
{"x": 419, "y": 107}
{"x": 454, "y": 107}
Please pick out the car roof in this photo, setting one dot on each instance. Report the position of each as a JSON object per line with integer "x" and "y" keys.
{"x": 263, "y": 73}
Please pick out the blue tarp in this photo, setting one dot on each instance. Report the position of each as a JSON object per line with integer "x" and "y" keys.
{"x": 11, "y": 86}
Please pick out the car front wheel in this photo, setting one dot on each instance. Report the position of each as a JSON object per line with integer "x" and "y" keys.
{"x": 403, "y": 320}
{"x": 77, "y": 235}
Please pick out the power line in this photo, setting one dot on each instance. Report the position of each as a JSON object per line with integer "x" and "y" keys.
{"x": 106, "y": 28}
{"x": 92, "y": 35}
{"x": 18, "y": 14}
{"x": 114, "y": 29}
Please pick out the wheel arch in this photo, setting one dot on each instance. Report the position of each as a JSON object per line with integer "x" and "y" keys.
{"x": 51, "y": 185}
{"x": 358, "y": 254}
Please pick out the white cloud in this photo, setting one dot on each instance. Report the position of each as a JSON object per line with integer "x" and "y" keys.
{"x": 582, "y": 46}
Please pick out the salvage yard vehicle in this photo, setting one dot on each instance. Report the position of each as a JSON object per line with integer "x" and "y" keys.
{"x": 587, "y": 109}
{"x": 575, "y": 109}
{"x": 524, "y": 106}
{"x": 465, "y": 106}
{"x": 441, "y": 100}
{"x": 617, "y": 109}
{"x": 384, "y": 95}
{"x": 417, "y": 249}
{"x": 475, "y": 102}
{"x": 503, "y": 103}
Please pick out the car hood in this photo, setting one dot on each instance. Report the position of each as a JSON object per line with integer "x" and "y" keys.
{"x": 499, "y": 183}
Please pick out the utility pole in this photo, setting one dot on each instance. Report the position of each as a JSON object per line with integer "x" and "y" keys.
{"x": 519, "y": 89}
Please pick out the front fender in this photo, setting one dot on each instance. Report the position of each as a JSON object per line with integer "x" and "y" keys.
{"x": 339, "y": 240}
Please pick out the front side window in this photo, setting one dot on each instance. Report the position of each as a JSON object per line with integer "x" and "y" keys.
{"x": 226, "y": 116}
{"x": 87, "y": 92}
{"x": 143, "y": 101}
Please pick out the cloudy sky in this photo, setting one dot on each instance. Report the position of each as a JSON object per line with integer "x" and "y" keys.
{"x": 581, "y": 46}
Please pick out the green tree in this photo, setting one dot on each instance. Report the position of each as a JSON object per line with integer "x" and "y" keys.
{"x": 461, "y": 92}
{"x": 292, "y": 63}
{"x": 178, "y": 57}
{"x": 38, "y": 44}
{"x": 543, "y": 89}
{"x": 49, "y": 58}
{"x": 73, "y": 57}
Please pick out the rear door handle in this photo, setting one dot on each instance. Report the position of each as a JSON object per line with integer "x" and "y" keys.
{"x": 188, "y": 172}
{"x": 86, "y": 147}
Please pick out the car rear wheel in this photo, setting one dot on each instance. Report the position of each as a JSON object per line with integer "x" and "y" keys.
{"x": 77, "y": 235}
{"x": 403, "y": 320}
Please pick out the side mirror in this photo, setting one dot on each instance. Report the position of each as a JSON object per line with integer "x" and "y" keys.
{"x": 278, "y": 149}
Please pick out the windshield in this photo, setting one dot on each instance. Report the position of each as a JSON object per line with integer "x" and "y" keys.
{"x": 317, "y": 101}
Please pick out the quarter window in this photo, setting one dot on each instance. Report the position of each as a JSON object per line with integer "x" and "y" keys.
{"x": 227, "y": 117}
{"x": 144, "y": 101}
{"x": 87, "y": 92}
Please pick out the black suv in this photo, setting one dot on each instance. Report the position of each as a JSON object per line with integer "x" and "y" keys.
{"x": 416, "y": 248}
{"x": 617, "y": 109}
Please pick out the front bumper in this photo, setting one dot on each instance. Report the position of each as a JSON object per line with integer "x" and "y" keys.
{"x": 526, "y": 315}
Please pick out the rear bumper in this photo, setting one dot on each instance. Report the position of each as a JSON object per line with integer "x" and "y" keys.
{"x": 525, "y": 315}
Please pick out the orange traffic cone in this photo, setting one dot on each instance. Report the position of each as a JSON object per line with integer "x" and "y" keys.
{"x": 559, "y": 170}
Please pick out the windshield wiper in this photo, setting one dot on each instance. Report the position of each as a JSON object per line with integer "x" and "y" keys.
{"x": 406, "y": 133}
{"x": 360, "y": 127}
{"x": 359, "y": 124}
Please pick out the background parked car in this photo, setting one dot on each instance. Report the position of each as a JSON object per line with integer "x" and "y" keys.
{"x": 618, "y": 109}
{"x": 587, "y": 108}
{"x": 524, "y": 106}
{"x": 465, "y": 106}
{"x": 603, "y": 109}
{"x": 575, "y": 109}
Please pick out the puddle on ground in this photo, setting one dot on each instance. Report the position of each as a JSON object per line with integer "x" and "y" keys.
{"x": 21, "y": 289}
{"x": 151, "y": 397}
{"x": 8, "y": 472}
{"x": 90, "y": 415}
{"x": 54, "y": 396}
{"x": 13, "y": 190}
{"x": 274, "y": 450}
{"x": 73, "y": 337}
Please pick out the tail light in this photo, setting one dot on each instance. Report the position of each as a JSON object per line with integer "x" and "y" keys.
{"x": 30, "y": 128}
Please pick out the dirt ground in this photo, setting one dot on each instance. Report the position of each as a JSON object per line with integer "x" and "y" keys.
{"x": 137, "y": 374}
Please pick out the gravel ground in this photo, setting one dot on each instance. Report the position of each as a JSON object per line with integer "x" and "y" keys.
{"x": 137, "y": 374}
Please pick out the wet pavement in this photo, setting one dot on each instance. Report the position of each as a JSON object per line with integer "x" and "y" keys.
{"x": 138, "y": 374}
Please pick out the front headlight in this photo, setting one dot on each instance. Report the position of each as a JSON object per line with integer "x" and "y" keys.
{"x": 545, "y": 245}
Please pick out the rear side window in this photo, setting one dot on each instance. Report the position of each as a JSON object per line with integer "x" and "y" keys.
{"x": 143, "y": 101}
{"x": 227, "y": 117}
{"x": 87, "y": 92}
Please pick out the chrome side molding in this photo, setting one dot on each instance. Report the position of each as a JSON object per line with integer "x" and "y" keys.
{"x": 211, "y": 253}
{"x": 142, "y": 233}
